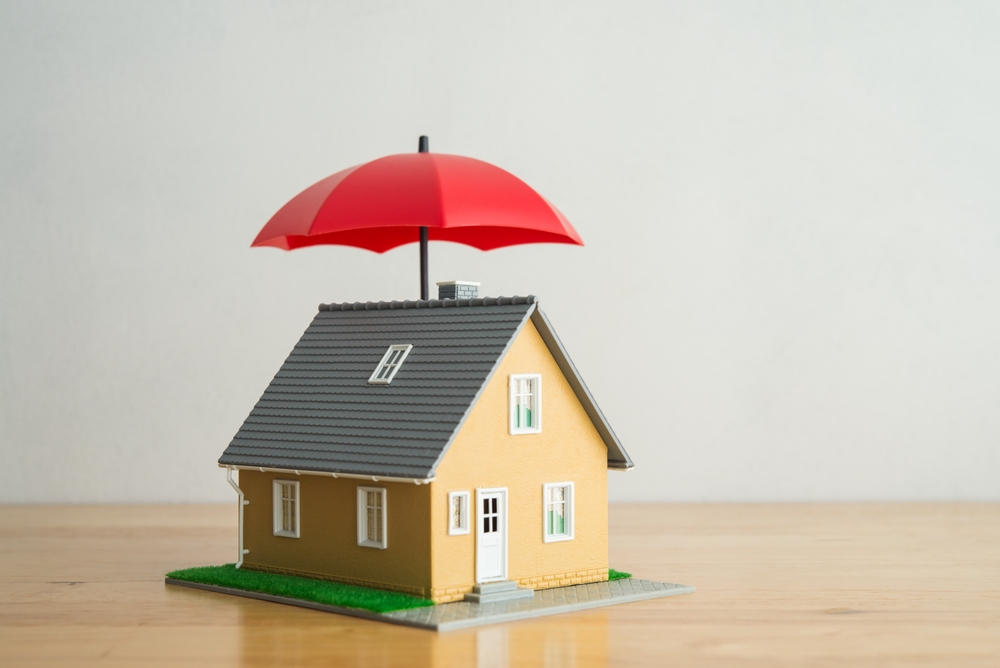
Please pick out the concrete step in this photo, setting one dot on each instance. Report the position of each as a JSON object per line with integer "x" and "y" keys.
{"x": 494, "y": 587}
{"x": 491, "y": 592}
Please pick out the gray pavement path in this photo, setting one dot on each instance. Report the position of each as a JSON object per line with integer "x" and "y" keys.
{"x": 461, "y": 615}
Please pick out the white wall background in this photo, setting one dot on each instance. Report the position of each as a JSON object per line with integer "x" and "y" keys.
{"x": 791, "y": 284}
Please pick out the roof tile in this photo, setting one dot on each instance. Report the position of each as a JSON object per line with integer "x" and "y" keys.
{"x": 320, "y": 414}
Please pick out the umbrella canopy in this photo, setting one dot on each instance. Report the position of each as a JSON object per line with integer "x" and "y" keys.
{"x": 410, "y": 197}
{"x": 383, "y": 204}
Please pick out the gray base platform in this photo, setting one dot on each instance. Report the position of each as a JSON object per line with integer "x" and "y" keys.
{"x": 463, "y": 614}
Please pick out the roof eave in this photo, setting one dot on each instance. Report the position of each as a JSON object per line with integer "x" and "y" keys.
{"x": 331, "y": 474}
{"x": 618, "y": 459}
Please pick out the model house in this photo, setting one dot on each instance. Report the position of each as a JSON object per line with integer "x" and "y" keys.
{"x": 441, "y": 448}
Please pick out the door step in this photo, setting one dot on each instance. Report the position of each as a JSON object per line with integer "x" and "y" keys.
{"x": 491, "y": 592}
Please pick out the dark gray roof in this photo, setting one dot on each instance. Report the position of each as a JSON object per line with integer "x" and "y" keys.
{"x": 320, "y": 414}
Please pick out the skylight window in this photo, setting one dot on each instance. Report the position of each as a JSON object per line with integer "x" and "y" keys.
{"x": 391, "y": 361}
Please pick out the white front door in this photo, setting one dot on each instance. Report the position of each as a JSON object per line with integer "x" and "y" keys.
{"x": 491, "y": 534}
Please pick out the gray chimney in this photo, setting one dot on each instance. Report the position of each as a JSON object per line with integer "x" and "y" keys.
{"x": 458, "y": 290}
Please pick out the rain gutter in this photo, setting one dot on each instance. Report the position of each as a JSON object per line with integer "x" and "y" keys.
{"x": 243, "y": 502}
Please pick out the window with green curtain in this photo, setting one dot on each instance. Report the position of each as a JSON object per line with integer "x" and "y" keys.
{"x": 524, "y": 399}
{"x": 555, "y": 511}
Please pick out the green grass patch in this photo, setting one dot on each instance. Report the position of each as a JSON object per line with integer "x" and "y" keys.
{"x": 617, "y": 575}
{"x": 306, "y": 589}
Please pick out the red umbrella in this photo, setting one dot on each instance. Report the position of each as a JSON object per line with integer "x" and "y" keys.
{"x": 410, "y": 197}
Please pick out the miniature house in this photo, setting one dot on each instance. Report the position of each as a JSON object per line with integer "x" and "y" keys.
{"x": 437, "y": 448}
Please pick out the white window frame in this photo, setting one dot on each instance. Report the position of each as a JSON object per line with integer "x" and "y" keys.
{"x": 536, "y": 404}
{"x": 278, "y": 525}
{"x": 568, "y": 533}
{"x": 463, "y": 529}
{"x": 374, "y": 379}
{"x": 363, "y": 519}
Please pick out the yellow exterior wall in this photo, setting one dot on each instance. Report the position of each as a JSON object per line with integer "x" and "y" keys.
{"x": 328, "y": 545}
{"x": 484, "y": 454}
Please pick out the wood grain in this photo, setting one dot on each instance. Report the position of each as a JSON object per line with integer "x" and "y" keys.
{"x": 778, "y": 585}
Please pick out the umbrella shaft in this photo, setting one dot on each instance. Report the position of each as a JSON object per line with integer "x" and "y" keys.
{"x": 424, "y": 280}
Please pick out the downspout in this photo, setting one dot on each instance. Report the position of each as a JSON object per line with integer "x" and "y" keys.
{"x": 243, "y": 502}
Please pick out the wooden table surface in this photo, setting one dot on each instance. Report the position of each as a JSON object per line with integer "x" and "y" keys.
{"x": 778, "y": 585}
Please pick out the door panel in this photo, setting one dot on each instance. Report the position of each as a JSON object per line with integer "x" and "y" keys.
{"x": 491, "y": 535}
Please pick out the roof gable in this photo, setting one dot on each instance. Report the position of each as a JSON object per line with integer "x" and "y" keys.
{"x": 319, "y": 414}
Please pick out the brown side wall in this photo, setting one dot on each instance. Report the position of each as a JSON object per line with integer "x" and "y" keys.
{"x": 328, "y": 547}
{"x": 484, "y": 454}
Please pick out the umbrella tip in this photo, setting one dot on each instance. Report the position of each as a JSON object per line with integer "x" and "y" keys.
{"x": 423, "y": 146}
